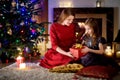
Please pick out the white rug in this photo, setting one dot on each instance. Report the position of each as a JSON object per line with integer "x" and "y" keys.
{"x": 32, "y": 72}
{"x": 35, "y": 72}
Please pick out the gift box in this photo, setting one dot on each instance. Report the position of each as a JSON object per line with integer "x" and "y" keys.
{"x": 76, "y": 52}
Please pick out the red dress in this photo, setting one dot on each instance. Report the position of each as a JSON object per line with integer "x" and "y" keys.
{"x": 62, "y": 36}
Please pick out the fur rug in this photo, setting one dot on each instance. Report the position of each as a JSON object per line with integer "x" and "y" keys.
{"x": 35, "y": 72}
{"x": 32, "y": 72}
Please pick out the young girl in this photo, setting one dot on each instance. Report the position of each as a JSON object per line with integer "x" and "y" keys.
{"x": 94, "y": 46}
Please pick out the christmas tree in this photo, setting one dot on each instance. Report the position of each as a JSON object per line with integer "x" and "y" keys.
{"x": 18, "y": 27}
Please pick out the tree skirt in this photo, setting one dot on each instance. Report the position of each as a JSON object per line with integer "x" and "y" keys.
{"x": 34, "y": 72}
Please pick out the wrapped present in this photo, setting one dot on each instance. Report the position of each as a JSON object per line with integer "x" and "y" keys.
{"x": 76, "y": 51}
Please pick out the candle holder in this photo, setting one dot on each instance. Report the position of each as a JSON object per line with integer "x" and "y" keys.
{"x": 118, "y": 54}
{"x": 108, "y": 51}
{"x": 19, "y": 60}
{"x": 116, "y": 49}
{"x": 22, "y": 66}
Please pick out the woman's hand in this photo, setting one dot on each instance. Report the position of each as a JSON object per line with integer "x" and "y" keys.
{"x": 69, "y": 54}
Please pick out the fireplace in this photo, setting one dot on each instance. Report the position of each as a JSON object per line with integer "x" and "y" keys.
{"x": 104, "y": 17}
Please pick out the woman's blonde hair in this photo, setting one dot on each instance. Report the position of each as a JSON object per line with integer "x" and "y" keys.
{"x": 64, "y": 14}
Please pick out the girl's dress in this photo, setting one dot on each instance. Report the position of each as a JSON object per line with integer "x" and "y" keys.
{"x": 97, "y": 59}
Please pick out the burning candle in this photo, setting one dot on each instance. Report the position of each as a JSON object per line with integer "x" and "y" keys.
{"x": 118, "y": 54}
{"x": 108, "y": 51}
{"x": 22, "y": 66}
{"x": 19, "y": 60}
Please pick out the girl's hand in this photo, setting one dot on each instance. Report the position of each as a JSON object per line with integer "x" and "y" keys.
{"x": 85, "y": 50}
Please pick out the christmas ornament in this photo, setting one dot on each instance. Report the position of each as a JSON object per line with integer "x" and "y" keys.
{"x": 18, "y": 26}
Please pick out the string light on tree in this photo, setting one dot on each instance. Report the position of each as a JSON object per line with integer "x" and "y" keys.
{"x": 20, "y": 14}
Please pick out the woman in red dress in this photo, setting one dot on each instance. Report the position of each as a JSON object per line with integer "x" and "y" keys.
{"x": 62, "y": 36}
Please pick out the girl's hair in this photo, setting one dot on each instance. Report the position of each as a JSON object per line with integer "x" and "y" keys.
{"x": 64, "y": 14}
{"x": 92, "y": 22}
